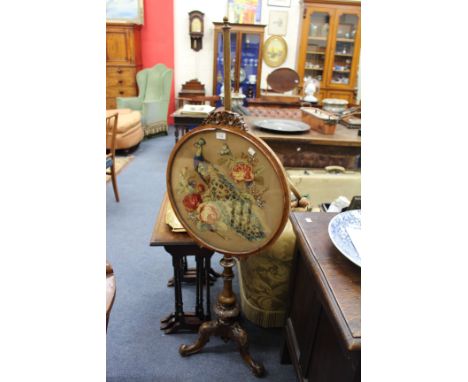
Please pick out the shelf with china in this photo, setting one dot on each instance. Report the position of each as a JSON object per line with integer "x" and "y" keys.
{"x": 246, "y": 59}
{"x": 330, "y": 46}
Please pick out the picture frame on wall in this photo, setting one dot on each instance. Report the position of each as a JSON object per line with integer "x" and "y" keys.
{"x": 125, "y": 11}
{"x": 278, "y": 23}
{"x": 280, "y": 3}
{"x": 275, "y": 51}
{"x": 244, "y": 11}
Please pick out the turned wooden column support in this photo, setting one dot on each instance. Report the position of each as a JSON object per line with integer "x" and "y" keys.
{"x": 227, "y": 64}
{"x": 227, "y": 297}
{"x": 226, "y": 325}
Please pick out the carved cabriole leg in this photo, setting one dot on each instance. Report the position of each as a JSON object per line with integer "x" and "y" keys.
{"x": 207, "y": 329}
{"x": 226, "y": 325}
{"x": 239, "y": 336}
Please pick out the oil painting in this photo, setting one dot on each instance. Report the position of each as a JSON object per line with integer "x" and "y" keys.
{"x": 244, "y": 11}
{"x": 130, "y": 11}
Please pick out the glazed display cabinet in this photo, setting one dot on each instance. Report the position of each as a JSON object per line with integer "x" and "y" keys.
{"x": 246, "y": 58}
{"x": 330, "y": 45}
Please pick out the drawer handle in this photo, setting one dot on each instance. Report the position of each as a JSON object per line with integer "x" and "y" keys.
{"x": 298, "y": 149}
{"x": 120, "y": 82}
{"x": 121, "y": 92}
{"x": 120, "y": 71}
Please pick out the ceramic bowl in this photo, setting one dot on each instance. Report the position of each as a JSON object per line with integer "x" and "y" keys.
{"x": 334, "y": 105}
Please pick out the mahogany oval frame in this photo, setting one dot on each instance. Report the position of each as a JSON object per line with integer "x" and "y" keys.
{"x": 265, "y": 150}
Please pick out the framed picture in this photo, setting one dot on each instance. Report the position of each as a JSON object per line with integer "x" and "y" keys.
{"x": 230, "y": 195}
{"x": 244, "y": 11}
{"x": 125, "y": 11}
{"x": 278, "y": 23}
{"x": 280, "y": 3}
{"x": 275, "y": 50}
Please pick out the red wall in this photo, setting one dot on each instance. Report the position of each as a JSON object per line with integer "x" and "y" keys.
{"x": 157, "y": 38}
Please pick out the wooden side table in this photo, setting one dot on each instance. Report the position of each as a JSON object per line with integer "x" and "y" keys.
{"x": 183, "y": 123}
{"x": 323, "y": 326}
{"x": 179, "y": 245}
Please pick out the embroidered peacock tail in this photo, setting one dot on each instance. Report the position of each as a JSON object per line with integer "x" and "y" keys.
{"x": 235, "y": 205}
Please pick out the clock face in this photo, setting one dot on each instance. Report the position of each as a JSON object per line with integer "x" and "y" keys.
{"x": 196, "y": 26}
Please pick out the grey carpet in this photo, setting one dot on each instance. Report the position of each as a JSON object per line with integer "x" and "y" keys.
{"x": 136, "y": 349}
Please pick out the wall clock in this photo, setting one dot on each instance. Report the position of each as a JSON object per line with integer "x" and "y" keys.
{"x": 196, "y": 29}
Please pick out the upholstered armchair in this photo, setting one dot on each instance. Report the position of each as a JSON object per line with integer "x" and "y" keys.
{"x": 154, "y": 89}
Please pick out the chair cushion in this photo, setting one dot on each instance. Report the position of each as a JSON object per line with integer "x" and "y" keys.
{"x": 119, "y": 111}
{"x": 128, "y": 119}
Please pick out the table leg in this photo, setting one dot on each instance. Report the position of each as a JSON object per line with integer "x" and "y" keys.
{"x": 179, "y": 305}
{"x": 185, "y": 264}
{"x": 180, "y": 320}
{"x": 190, "y": 275}
{"x": 207, "y": 269}
{"x": 199, "y": 303}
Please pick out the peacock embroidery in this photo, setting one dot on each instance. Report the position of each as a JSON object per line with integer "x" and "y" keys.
{"x": 220, "y": 201}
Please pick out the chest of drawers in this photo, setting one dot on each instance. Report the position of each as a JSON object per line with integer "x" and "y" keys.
{"x": 123, "y": 61}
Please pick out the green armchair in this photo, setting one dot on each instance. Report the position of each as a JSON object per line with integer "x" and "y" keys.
{"x": 154, "y": 89}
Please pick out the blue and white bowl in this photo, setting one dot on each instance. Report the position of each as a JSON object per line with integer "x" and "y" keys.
{"x": 337, "y": 230}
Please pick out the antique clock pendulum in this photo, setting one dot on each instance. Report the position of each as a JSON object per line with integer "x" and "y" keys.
{"x": 230, "y": 192}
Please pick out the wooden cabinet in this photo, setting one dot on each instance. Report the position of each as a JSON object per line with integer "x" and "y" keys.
{"x": 123, "y": 61}
{"x": 330, "y": 46}
{"x": 246, "y": 58}
{"x": 323, "y": 325}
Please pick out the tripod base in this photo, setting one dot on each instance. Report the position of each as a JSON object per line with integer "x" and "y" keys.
{"x": 227, "y": 331}
{"x": 226, "y": 325}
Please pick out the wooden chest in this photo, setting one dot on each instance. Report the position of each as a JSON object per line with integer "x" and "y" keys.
{"x": 123, "y": 61}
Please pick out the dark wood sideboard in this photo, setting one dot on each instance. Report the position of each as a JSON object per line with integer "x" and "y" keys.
{"x": 323, "y": 326}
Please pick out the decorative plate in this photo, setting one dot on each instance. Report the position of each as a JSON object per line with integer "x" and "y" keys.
{"x": 275, "y": 51}
{"x": 283, "y": 125}
{"x": 337, "y": 230}
{"x": 242, "y": 75}
{"x": 227, "y": 188}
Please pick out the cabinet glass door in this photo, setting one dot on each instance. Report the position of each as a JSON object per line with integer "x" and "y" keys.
{"x": 317, "y": 41}
{"x": 220, "y": 61}
{"x": 250, "y": 51}
{"x": 345, "y": 44}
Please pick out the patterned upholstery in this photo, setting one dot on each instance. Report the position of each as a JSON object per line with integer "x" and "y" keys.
{"x": 264, "y": 281}
{"x": 274, "y": 112}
